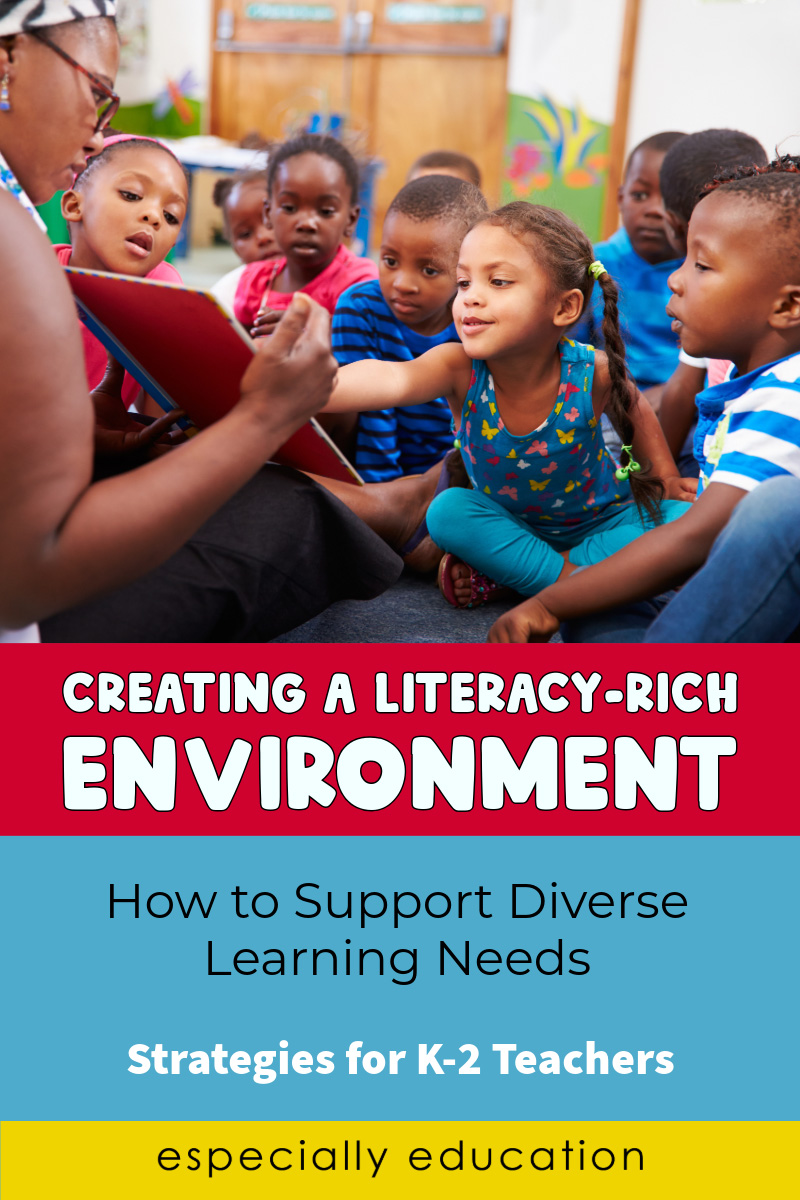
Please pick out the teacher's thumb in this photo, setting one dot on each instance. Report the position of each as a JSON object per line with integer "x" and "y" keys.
{"x": 291, "y": 324}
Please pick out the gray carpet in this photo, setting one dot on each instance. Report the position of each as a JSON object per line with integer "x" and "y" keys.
{"x": 411, "y": 611}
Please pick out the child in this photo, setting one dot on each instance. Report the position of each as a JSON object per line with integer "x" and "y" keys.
{"x": 445, "y": 162}
{"x": 687, "y": 167}
{"x": 125, "y": 212}
{"x": 526, "y": 404}
{"x": 312, "y": 209}
{"x": 737, "y": 296}
{"x": 640, "y": 258}
{"x": 405, "y": 312}
{"x": 99, "y": 209}
{"x": 242, "y": 198}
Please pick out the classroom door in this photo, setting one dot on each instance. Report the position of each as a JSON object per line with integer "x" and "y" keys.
{"x": 408, "y": 77}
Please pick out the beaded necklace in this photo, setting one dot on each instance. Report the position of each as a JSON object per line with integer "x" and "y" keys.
{"x": 10, "y": 183}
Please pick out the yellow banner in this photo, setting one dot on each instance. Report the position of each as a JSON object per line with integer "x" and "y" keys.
{"x": 147, "y": 1160}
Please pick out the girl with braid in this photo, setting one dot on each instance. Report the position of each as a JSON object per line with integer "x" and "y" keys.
{"x": 526, "y": 403}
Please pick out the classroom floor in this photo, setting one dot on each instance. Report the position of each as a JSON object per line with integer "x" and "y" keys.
{"x": 411, "y": 611}
{"x": 202, "y": 268}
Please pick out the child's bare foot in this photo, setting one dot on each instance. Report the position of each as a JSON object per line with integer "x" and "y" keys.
{"x": 395, "y": 511}
{"x": 460, "y": 577}
{"x": 425, "y": 557}
{"x": 410, "y": 497}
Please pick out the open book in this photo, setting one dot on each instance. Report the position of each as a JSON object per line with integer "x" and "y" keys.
{"x": 185, "y": 350}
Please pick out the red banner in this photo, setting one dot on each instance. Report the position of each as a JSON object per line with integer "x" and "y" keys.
{"x": 424, "y": 740}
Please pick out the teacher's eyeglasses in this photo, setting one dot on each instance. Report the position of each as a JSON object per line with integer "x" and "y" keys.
{"x": 106, "y": 99}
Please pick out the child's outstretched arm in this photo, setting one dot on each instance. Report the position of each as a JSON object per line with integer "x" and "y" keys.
{"x": 649, "y": 443}
{"x": 660, "y": 559}
{"x": 443, "y": 371}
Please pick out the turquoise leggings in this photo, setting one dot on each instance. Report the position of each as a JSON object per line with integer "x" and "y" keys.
{"x": 503, "y": 546}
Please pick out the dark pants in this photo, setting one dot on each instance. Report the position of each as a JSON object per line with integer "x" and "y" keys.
{"x": 748, "y": 590}
{"x": 278, "y": 553}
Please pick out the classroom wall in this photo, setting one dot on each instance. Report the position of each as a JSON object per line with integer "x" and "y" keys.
{"x": 699, "y": 64}
{"x": 703, "y": 64}
{"x": 163, "y": 39}
{"x": 562, "y": 83}
{"x": 567, "y": 49}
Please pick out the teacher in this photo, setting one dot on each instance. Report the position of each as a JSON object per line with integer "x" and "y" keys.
{"x": 204, "y": 543}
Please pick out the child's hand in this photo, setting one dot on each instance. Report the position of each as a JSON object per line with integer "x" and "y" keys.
{"x": 293, "y": 374}
{"x": 676, "y": 488}
{"x": 528, "y": 622}
{"x": 116, "y": 432}
{"x": 265, "y": 322}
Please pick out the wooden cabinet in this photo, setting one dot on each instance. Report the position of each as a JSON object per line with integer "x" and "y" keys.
{"x": 408, "y": 77}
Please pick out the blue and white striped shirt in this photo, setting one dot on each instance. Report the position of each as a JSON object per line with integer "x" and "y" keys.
{"x": 390, "y": 441}
{"x": 748, "y": 428}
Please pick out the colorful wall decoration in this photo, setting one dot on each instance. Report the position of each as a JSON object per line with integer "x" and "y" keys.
{"x": 556, "y": 156}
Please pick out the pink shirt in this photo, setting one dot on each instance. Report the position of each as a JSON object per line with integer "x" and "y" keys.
{"x": 717, "y": 370}
{"x": 94, "y": 351}
{"x": 326, "y": 288}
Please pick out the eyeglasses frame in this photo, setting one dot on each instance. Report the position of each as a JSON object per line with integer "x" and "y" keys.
{"x": 108, "y": 115}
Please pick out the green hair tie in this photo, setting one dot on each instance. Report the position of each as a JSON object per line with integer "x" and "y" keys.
{"x": 622, "y": 473}
{"x": 597, "y": 269}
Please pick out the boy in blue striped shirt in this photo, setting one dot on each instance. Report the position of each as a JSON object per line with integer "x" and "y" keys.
{"x": 405, "y": 312}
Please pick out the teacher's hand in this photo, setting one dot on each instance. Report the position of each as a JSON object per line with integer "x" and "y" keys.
{"x": 293, "y": 372}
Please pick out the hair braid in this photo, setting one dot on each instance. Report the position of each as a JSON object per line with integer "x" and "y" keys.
{"x": 646, "y": 490}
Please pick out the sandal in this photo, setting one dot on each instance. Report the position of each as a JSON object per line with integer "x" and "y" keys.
{"x": 481, "y": 588}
